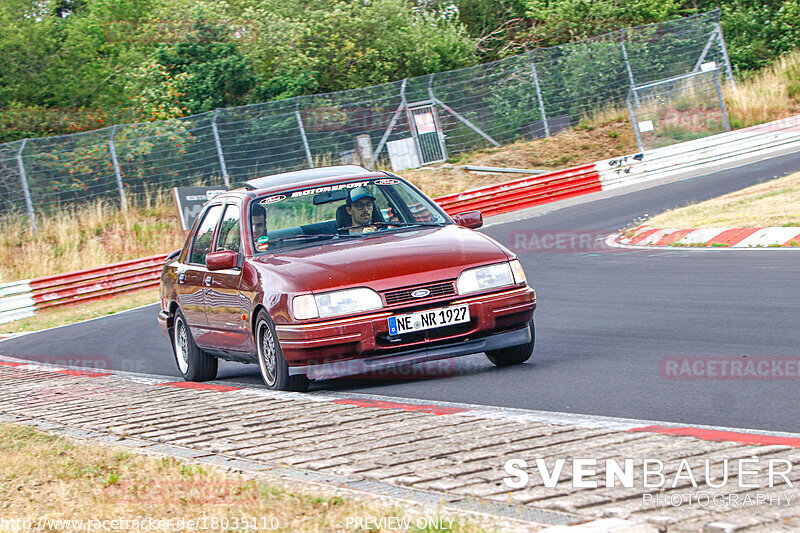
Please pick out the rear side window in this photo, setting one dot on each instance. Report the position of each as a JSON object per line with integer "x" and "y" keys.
{"x": 229, "y": 237}
{"x": 201, "y": 243}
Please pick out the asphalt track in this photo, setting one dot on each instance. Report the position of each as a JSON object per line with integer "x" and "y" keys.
{"x": 608, "y": 322}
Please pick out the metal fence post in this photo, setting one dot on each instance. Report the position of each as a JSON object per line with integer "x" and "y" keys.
{"x": 722, "y": 101}
{"x": 634, "y": 123}
{"x": 704, "y": 53}
{"x": 25, "y": 191}
{"x": 539, "y": 95}
{"x": 725, "y": 55}
{"x": 439, "y": 130}
{"x": 412, "y": 126}
{"x": 113, "y": 151}
{"x": 219, "y": 150}
{"x": 627, "y": 63}
{"x": 463, "y": 119}
{"x": 391, "y": 125}
{"x": 303, "y": 132}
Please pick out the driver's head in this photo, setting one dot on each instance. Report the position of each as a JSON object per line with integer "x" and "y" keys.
{"x": 360, "y": 204}
{"x": 258, "y": 217}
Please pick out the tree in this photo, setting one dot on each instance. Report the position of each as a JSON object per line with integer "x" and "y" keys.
{"x": 336, "y": 45}
{"x": 216, "y": 73}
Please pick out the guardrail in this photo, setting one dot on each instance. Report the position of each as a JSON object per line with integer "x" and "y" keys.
{"x": 21, "y": 299}
{"x": 524, "y": 192}
{"x": 708, "y": 152}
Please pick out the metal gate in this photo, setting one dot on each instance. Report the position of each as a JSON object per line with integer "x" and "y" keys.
{"x": 427, "y": 132}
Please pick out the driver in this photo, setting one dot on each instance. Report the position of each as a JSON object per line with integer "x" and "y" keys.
{"x": 360, "y": 206}
{"x": 258, "y": 218}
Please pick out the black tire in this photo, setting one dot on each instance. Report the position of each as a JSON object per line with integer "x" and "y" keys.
{"x": 274, "y": 369}
{"x": 513, "y": 355}
{"x": 193, "y": 363}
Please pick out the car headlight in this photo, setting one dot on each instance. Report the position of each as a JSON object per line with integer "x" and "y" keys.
{"x": 335, "y": 303}
{"x": 490, "y": 277}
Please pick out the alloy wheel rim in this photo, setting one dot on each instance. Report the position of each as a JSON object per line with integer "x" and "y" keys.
{"x": 268, "y": 356}
{"x": 181, "y": 346}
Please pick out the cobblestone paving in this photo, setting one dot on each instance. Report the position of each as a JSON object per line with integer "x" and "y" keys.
{"x": 457, "y": 455}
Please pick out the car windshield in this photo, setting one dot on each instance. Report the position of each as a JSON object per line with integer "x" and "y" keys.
{"x": 347, "y": 210}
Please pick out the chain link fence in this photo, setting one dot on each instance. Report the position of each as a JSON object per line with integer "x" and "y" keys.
{"x": 678, "y": 109}
{"x": 401, "y": 124}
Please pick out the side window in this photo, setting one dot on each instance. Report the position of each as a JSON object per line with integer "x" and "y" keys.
{"x": 201, "y": 243}
{"x": 417, "y": 206}
{"x": 229, "y": 236}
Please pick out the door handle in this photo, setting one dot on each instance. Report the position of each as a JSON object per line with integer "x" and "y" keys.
{"x": 181, "y": 277}
{"x": 208, "y": 280}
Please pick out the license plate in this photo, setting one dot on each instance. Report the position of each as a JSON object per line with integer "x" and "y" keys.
{"x": 429, "y": 319}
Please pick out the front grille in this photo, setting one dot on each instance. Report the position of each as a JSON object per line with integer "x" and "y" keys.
{"x": 404, "y": 295}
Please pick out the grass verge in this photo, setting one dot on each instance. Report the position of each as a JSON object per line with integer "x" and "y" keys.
{"x": 61, "y": 316}
{"x": 46, "y": 477}
{"x": 769, "y": 204}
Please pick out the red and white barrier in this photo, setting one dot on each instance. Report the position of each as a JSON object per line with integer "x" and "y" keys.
{"x": 524, "y": 192}
{"x": 21, "y": 299}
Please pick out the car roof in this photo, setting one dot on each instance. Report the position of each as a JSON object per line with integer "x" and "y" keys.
{"x": 299, "y": 177}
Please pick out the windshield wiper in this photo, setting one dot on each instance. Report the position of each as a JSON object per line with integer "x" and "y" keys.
{"x": 395, "y": 225}
{"x": 309, "y": 237}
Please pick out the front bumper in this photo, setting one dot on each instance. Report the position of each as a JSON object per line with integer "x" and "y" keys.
{"x": 164, "y": 322}
{"x": 366, "y": 338}
{"x": 337, "y": 369}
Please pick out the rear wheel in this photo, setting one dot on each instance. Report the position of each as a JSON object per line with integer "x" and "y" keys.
{"x": 193, "y": 363}
{"x": 513, "y": 355}
{"x": 274, "y": 369}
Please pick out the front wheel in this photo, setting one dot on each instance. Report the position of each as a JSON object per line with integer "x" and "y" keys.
{"x": 513, "y": 355}
{"x": 274, "y": 369}
{"x": 193, "y": 363}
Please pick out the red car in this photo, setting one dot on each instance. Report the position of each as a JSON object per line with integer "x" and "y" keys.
{"x": 338, "y": 271}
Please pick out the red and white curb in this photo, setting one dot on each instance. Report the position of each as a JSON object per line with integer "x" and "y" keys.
{"x": 372, "y": 401}
{"x": 739, "y": 238}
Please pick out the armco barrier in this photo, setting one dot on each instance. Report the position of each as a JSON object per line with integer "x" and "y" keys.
{"x": 705, "y": 153}
{"x": 708, "y": 152}
{"x": 21, "y": 299}
{"x": 524, "y": 192}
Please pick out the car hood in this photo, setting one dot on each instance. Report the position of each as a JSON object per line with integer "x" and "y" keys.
{"x": 386, "y": 261}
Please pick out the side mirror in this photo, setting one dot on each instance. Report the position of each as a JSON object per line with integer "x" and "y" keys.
{"x": 222, "y": 260}
{"x": 470, "y": 219}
